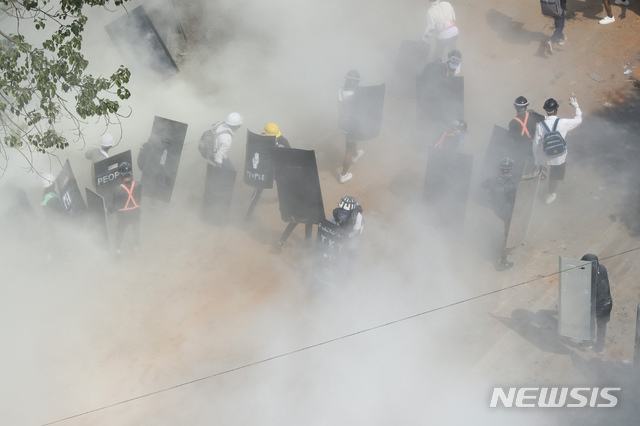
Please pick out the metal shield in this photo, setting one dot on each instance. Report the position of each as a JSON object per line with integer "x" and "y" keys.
{"x": 523, "y": 210}
{"x": 440, "y": 101}
{"x": 412, "y": 58}
{"x": 159, "y": 158}
{"x": 140, "y": 42}
{"x": 258, "y": 165}
{"x": 577, "y": 299}
{"x": 98, "y": 216}
{"x": 299, "y": 189}
{"x": 218, "y": 193}
{"x": 328, "y": 265}
{"x": 446, "y": 186}
{"x": 70, "y": 193}
{"x": 368, "y": 105}
{"x": 107, "y": 175}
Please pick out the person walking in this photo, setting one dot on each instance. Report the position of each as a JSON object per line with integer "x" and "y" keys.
{"x": 215, "y": 142}
{"x": 441, "y": 20}
{"x": 609, "y": 19}
{"x": 549, "y": 145}
{"x": 346, "y": 95}
{"x": 558, "y": 16}
{"x": 604, "y": 302}
{"x": 126, "y": 203}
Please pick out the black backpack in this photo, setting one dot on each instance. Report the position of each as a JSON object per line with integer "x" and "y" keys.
{"x": 553, "y": 144}
{"x": 552, "y": 8}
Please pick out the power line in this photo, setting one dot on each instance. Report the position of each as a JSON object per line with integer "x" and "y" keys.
{"x": 326, "y": 342}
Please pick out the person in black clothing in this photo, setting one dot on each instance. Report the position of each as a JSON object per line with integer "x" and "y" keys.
{"x": 502, "y": 190}
{"x": 604, "y": 302}
{"x": 452, "y": 139}
{"x": 523, "y": 128}
{"x": 126, "y": 201}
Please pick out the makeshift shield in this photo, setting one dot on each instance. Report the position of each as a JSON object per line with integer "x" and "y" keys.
{"x": 159, "y": 158}
{"x": 446, "y": 186}
{"x": 412, "y": 58}
{"x": 440, "y": 101}
{"x": 577, "y": 299}
{"x": 329, "y": 262}
{"x": 368, "y": 104}
{"x": 140, "y": 42}
{"x": 107, "y": 174}
{"x": 299, "y": 189}
{"x": 98, "y": 216}
{"x": 258, "y": 165}
{"x": 218, "y": 193}
{"x": 523, "y": 209}
{"x": 69, "y": 192}
{"x": 501, "y": 145}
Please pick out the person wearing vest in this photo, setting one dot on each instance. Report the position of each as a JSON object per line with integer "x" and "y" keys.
{"x": 523, "y": 128}
{"x": 441, "y": 20}
{"x": 451, "y": 139}
{"x": 126, "y": 203}
{"x": 346, "y": 97}
{"x": 557, "y": 165}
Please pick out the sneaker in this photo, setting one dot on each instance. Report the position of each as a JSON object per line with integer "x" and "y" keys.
{"x": 607, "y": 20}
{"x": 345, "y": 178}
{"x": 622, "y": 3}
{"x": 550, "y": 198}
{"x": 355, "y": 158}
{"x": 561, "y": 42}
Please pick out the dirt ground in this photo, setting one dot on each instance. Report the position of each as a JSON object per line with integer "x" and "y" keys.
{"x": 209, "y": 326}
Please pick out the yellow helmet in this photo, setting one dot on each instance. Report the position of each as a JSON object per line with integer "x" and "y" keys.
{"x": 271, "y": 129}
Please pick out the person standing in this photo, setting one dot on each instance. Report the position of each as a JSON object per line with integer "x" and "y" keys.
{"x": 609, "y": 19}
{"x": 126, "y": 202}
{"x": 604, "y": 302}
{"x": 523, "y": 128}
{"x": 215, "y": 143}
{"x": 554, "y": 126}
{"x": 452, "y": 139}
{"x": 441, "y": 20}
{"x": 99, "y": 154}
{"x": 346, "y": 96}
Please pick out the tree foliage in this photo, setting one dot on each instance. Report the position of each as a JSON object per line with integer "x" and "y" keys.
{"x": 40, "y": 86}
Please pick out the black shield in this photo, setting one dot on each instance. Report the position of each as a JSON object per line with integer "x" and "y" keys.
{"x": 446, "y": 186}
{"x": 107, "y": 175}
{"x": 258, "y": 165}
{"x": 218, "y": 193}
{"x": 299, "y": 189}
{"x": 412, "y": 58}
{"x": 368, "y": 105}
{"x": 440, "y": 101}
{"x": 159, "y": 158}
{"x": 636, "y": 357}
{"x": 329, "y": 262}
{"x": 501, "y": 145}
{"x": 98, "y": 216}
{"x": 69, "y": 192}
{"x": 140, "y": 42}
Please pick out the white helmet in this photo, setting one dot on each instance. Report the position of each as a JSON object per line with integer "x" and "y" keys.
{"x": 106, "y": 141}
{"x": 48, "y": 179}
{"x": 234, "y": 119}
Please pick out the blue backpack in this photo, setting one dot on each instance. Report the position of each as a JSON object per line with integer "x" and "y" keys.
{"x": 553, "y": 144}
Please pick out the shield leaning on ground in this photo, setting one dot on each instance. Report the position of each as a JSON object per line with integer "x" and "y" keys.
{"x": 159, "y": 158}
{"x": 107, "y": 175}
{"x": 577, "y": 299}
{"x": 368, "y": 106}
{"x": 218, "y": 193}
{"x": 98, "y": 216}
{"x": 439, "y": 101}
{"x": 258, "y": 164}
{"x": 412, "y": 58}
{"x": 328, "y": 265}
{"x": 139, "y": 40}
{"x": 299, "y": 191}
{"x": 70, "y": 193}
{"x": 446, "y": 186}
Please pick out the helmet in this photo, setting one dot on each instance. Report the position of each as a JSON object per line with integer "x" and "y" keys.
{"x": 521, "y": 102}
{"x": 353, "y": 75}
{"x": 348, "y": 203}
{"x": 550, "y": 105}
{"x": 272, "y": 129}
{"x": 125, "y": 169}
{"x": 590, "y": 257}
{"x": 234, "y": 119}
{"x": 506, "y": 164}
{"x": 455, "y": 57}
{"x": 106, "y": 141}
{"x": 47, "y": 180}
{"x": 460, "y": 125}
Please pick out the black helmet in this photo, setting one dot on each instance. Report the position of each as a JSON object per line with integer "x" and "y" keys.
{"x": 590, "y": 257}
{"x": 521, "y": 102}
{"x": 460, "y": 125}
{"x": 347, "y": 203}
{"x": 353, "y": 75}
{"x": 125, "y": 169}
{"x": 550, "y": 105}
{"x": 506, "y": 164}
{"x": 455, "y": 57}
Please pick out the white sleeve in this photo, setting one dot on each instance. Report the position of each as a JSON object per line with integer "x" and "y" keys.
{"x": 224, "y": 140}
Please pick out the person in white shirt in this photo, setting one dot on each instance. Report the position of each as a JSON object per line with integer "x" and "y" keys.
{"x": 441, "y": 20}
{"x": 557, "y": 164}
{"x": 98, "y": 154}
{"x": 223, "y": 138}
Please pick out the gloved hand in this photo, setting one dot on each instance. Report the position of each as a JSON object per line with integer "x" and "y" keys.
{"x": 573, "y": 102}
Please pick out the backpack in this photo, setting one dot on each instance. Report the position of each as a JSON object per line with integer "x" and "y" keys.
{"x": 552, "y": 8}
{"x": 553, "y": 144}
{"x": 206, "y": 144}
